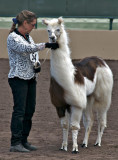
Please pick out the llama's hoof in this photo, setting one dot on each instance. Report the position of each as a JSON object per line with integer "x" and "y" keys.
{"x": 97, "y": 144}
{"x": 75, "y": 152}
{"x": 83, "y": 145}
{"x": 62, "y": 149}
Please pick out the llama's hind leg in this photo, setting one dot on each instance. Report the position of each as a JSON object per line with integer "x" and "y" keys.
{"x": 102, "y": 122}
{"x": 65, "y": 127}
{"x": 76, "y": 114}
{"x": 88, "y": 121}
{"x": 102, "y": 105}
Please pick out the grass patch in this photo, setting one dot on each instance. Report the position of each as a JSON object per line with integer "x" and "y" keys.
{"x": 70, "y": 23}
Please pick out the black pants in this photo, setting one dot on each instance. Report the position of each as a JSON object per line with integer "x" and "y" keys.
{"x": 24, "y": 97}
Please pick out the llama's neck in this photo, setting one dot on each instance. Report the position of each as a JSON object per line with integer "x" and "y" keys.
{"x": 62, "y": 68}
{"x": 63, "y": 39}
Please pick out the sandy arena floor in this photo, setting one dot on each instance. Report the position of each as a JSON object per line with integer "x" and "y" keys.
{"x": 46, "y": 131}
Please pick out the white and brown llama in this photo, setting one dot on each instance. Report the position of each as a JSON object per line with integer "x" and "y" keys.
{"x": 77, "y": 89}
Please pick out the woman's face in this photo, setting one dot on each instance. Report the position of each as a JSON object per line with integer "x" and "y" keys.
{"x": 29, "y": 26}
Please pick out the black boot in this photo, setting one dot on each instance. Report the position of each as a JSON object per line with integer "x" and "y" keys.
{"x": 18, "y": 148}
{"x": 29, "y": 146}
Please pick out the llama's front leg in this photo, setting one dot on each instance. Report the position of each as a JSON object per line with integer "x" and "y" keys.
{"x": 65, "y": 127}
{"x": 74, "y": 138}
{"x": 76, "y": 114}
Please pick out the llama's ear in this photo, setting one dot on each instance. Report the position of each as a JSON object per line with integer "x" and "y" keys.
{"x": 60, "y": 20}
{"x": 45, "y": 22}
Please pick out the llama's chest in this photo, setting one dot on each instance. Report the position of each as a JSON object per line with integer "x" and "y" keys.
{"x": 62, "y": 70}
{"x": 56, "y": 93}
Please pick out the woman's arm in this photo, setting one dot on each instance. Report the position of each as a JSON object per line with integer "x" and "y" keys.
{"x": 19, "y": 45}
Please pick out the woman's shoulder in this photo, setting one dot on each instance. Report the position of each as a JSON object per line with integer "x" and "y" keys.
{"x": 12, "y": 36}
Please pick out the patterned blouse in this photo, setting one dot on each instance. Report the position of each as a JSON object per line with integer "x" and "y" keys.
{"x": 23, "y": 53}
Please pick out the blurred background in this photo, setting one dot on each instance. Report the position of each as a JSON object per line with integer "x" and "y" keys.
{"x": 77, "y": 14}
{"x": 92, "y": 25}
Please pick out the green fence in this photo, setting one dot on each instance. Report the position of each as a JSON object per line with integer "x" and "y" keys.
{"x": 66, "y": 8}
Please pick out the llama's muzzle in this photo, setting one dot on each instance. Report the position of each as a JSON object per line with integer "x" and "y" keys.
{"x": 53, "y": 39}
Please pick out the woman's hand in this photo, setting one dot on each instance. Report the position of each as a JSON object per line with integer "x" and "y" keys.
{"x": 51, "y": 45}
{"x": 37, "y": 67}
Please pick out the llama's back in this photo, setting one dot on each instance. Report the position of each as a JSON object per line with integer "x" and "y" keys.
{"x": 88, "y": 66}
{"x": 98, "y": 72}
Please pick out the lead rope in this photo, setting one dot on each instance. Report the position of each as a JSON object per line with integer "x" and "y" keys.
{"x": 37, "y": 75}
{"x": 45, "y": 57}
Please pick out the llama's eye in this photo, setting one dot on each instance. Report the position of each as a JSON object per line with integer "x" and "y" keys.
{"x": 48, "y": 31}
{"x": 58, "y": 30}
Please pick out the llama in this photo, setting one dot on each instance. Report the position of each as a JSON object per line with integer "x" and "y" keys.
{"x": 77, "y": 90}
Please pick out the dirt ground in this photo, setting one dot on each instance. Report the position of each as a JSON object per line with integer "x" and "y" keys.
{"x": 46, "y": 131}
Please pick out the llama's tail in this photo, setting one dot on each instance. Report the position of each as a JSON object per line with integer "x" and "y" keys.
{"x": 104, "y": 86}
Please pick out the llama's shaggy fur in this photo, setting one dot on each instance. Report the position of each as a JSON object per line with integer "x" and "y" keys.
{"x": 77, "y": 89}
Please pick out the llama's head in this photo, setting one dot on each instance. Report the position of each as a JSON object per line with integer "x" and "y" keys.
{"x": 54, "y": 28}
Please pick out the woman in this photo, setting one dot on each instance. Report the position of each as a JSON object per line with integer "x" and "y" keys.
{"x": 24, "y": 65}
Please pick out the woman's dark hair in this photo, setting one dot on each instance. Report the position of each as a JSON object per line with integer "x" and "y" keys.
{"x": 21, "y": 17}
